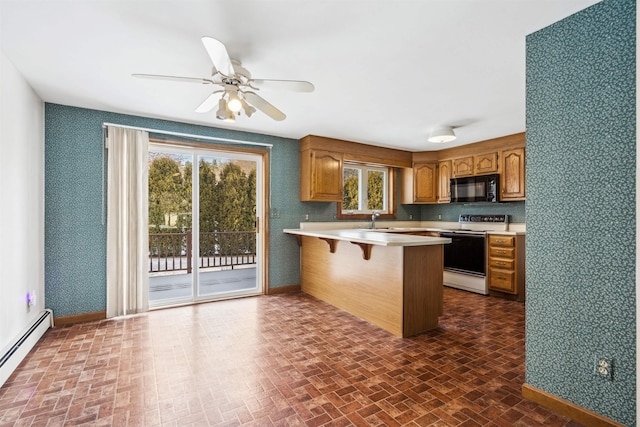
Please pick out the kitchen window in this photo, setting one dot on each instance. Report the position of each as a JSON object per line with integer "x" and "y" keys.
{"x": 367, "y": 189}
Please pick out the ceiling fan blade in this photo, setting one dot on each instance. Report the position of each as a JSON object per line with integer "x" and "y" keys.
{"x": 174, "y": 78}
{"x": 209, "y": 102}
{"x": 262, "y": 105}
{"x": 219, "y": 56}
{"x": 290, "y": 85}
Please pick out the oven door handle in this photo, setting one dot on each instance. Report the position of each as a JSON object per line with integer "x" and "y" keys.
{"x": 458, "y": 235}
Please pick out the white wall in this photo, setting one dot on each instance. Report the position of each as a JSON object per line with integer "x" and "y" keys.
{"x": 21, "y": 203}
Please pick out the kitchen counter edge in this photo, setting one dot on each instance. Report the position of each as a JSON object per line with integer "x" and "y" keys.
{"x": 371, "y": 237}
{"x": 406, "y": 226}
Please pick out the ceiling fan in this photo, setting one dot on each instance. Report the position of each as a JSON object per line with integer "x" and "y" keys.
{"x": 237, "y": 86}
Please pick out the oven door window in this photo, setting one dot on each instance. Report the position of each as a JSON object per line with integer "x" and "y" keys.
{"x": 465, "y": 254}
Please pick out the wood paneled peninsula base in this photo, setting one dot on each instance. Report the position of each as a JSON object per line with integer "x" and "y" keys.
{"x": 391, "y": 280}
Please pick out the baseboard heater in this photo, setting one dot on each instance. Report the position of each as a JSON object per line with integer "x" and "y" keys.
{"x": 17, "y": 351}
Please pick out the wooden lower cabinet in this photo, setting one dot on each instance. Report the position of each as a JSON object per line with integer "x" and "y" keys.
{"x": 506, "y": 266}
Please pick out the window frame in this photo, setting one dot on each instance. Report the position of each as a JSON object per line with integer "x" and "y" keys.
{"x": 391, "y": 211}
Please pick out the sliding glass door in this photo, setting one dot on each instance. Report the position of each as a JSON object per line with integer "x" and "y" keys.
{"x": 170, "y": 226}
{"x": 205, "y": 241}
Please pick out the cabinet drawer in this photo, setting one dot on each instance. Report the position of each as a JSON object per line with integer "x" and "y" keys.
{"x": 499, "y": 240}
{"x": 500, "y": 252}
{"x": 506, "y": 264}
{"x": 502, "y": 280}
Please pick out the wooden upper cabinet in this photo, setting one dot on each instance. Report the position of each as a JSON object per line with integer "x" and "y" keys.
{"x": 513, "y": 174}
{"x": 485, "y": 163}
{"x": 462, "y": 166}
{"x": 444, "y": 178}
{"x": 322, "y": 160}
{"x": 425, "y": 182}
{"x": 419, "y": 184}
{"x": 321, "y": 175}
{"x": 480, "y": 164}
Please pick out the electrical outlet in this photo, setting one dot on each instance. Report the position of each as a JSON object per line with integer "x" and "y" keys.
{"x": 31, "y": 298}
{"x": 439, "y": 216}
{"x": 410, "y": 216}
{"x": 306, "y": 217}
{"x": 603, "y": 367}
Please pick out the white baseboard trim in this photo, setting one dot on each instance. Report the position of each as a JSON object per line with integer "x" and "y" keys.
{"x": 22, "y": 345}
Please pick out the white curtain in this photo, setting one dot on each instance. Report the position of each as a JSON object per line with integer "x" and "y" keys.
{"x": 127, "y": 230}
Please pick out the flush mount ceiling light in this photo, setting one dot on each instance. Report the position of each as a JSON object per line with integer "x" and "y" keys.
{"x": 441, "y": 135}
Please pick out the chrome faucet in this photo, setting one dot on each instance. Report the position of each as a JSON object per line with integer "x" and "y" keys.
{"x": 374, "y": 215}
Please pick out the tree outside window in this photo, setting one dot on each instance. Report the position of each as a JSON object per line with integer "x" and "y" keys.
{"x": 364, "y": 195}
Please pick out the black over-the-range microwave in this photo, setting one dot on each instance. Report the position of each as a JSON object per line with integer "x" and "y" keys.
{"x": 482, "y": 188}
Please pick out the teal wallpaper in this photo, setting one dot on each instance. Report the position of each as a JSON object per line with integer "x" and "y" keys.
{"x": 75, "y": 238}
{"x": 581, "y": 198}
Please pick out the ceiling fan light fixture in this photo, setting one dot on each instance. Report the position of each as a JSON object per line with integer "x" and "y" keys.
{"x": 223, "y": 112}
{"x": 235, "y": 82}
{"x": 248, "y": 109}
{"x": 441, "y": 135}
{"x": 234, "y": 103}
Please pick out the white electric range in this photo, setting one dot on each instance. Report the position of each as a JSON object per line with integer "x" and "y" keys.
{"x": 465, "y": 258}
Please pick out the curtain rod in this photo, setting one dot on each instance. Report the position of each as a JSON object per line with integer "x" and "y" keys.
{"x": 188, "y": 135}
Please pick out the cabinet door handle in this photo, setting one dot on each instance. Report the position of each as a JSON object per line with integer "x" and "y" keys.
{"x": 501, "y": 252}
{"x": 500, "y": 241}
{"x": 501, "y": 263}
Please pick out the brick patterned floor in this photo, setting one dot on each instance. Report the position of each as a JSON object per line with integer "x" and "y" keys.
{"x": 279, "y": 360}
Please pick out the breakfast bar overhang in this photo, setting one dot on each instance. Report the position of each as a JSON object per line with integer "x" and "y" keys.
{"x": 391, "y": 280}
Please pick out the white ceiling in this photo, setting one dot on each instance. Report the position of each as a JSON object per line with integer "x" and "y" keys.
{"x": 385, "y": 71}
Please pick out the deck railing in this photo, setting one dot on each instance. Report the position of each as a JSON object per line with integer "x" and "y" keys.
{"x": 173, "y": 251}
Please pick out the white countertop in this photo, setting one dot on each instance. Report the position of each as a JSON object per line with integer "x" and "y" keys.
{"x": 398, "y": 226}
{"x": 371, "y": 237}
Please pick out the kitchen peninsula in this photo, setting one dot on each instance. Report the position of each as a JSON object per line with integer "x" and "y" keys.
{"x": 391, "y": 280}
